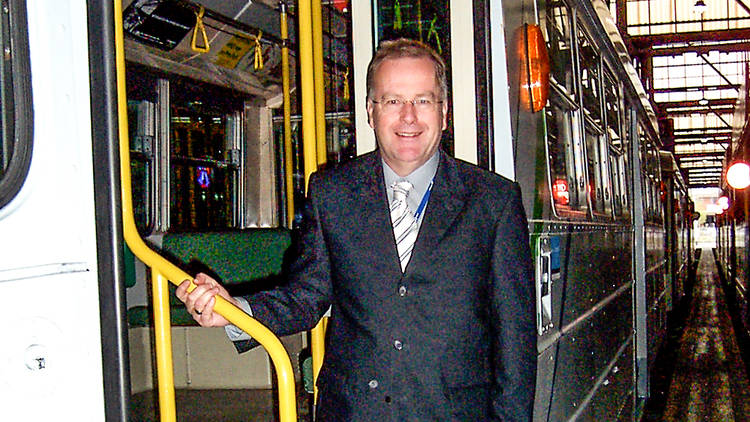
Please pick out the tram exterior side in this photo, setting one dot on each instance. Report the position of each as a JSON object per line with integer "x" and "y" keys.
{"x": 732, "y": 228}
{"x": 594, "y": 192}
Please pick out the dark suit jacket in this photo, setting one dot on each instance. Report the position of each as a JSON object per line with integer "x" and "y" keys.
{"x": 453, "y": 338}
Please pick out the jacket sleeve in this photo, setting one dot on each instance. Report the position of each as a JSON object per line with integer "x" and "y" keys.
{"x": 299, "y": 304}
{"x": 513, "y": 315}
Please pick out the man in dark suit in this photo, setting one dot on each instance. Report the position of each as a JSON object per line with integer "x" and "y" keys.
{"x": 438, "y": 329}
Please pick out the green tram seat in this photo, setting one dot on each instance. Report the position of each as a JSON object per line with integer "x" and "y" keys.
{"x": 244, "y": 261}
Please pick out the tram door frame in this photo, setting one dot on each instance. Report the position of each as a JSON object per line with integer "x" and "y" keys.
{"x": 64, "y": 353}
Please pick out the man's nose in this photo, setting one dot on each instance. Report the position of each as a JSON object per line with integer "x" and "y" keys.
{"x": 408, "y": 111}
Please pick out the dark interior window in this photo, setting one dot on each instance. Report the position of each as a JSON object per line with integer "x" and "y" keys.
{"x": 16, "y": 115}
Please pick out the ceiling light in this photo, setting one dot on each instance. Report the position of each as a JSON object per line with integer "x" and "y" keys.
{"x": 738, "y": 175}
{"x": 700, "y": 6}
{"x": 703, "y": 101}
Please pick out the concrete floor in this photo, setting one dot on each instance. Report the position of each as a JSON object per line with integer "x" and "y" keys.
{"x": 700, "y": 374}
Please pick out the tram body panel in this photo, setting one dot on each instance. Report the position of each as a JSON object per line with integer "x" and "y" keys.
{"x": 741, "y": 280}
{"x": 50, "y": 362}
{"x": 587, "y": 350}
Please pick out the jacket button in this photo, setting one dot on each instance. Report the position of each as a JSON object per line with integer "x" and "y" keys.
{"x": 402, "y": 291}
{"x": 373, "y": 384}
{"x": 398, "y": 345}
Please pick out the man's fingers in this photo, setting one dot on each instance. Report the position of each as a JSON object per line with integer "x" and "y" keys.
{"x": 201, "y": 296}
{"x": 181, "y": 291}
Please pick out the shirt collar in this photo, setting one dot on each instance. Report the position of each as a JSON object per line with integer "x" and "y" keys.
{"x": 419, "y": 178}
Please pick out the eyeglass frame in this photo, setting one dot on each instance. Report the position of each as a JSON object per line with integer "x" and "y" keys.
{"x": 401, "y": 102}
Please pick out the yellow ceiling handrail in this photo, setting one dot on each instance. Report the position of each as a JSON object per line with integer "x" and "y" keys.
{"x": 272, "y": 344}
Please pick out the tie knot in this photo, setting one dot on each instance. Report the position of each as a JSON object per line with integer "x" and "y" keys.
{"x": 401, "y": 189}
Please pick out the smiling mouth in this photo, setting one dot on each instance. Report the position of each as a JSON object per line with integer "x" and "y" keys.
{"x": 408, "y": 134}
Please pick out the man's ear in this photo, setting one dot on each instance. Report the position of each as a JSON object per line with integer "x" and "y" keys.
{"x": 445, "y": 114}
{"x": 369, "y": 113}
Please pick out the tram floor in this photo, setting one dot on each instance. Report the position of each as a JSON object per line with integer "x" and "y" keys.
{"x": 699, "y": 374}
{"x": 216, "y": 406}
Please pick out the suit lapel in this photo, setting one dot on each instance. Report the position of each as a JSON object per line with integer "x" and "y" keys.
{"x": 445, "y": 204}
{"x": 372, "y": 201}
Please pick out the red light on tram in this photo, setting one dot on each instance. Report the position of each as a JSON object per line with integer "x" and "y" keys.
{"x": 738, "y": 175}
{"x": 560, "y": 192}
{"x": 341, "y": 5}
{"x": 534, "y": 67}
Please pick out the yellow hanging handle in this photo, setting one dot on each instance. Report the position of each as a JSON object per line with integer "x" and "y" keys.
{"x": 346, "y": 85}
{"x": 258, "y": 63}
{"x": 397, "y": 22}
{"x": 432, "y": 32}
{"x": 199, "y": 27}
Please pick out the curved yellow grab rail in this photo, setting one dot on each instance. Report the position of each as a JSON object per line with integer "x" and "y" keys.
{"x": 162, "y": 267}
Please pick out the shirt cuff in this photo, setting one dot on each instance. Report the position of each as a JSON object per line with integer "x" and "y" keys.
{"x": 235, "y": 333}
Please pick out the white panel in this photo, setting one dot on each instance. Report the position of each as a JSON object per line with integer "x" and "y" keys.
{"x": 462, "y": 70}
{"x": 50, "y": 361}
{"x": 503, "y": 137}
{"x": 49, "y": 234}
{"x": 362, "y": 48}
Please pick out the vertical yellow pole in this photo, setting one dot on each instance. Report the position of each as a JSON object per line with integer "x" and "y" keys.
{"x": 288, "y": 159}
{"x": 163, "y": 344}
{"x": 319, "y": 79}
{"x": 311, "y": 153}
{"x": 317, "y": 350}
{"x": 307, "y": 88}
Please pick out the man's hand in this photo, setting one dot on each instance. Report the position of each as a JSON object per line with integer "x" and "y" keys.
{"x": 200, "y": 302}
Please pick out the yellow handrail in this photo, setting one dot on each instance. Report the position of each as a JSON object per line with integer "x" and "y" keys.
{"x": 311, "y": 154}
{"x": 319, "y": 81}
{"x": 288, "y": 160}
{"x": 309, "y": 147}
{"x": 163, "y": 346}
{"x": 163, "y": 268}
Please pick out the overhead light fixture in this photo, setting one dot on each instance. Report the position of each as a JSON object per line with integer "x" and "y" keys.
{"x": 700, "y": 6}
{"x": 738, "y": 175}
{"x": 703, "y": 101}
{"x": 723, "y": 202}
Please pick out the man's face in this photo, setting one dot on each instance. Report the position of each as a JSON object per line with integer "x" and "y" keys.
{"x": 407, "y": 112}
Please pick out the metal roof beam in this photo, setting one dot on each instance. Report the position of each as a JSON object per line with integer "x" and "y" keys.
{"x": 711, "y": 155}
{"x": 727, "y": 47}
{"x": 695, "y": 88}
{"x": 696, "y": 103}
{"x": 647, "y": 42}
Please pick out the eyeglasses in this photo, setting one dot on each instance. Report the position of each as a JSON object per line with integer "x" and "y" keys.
{"x": 395, "y": 104}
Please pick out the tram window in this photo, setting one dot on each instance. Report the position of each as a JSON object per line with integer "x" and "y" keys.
{"x": 558, "y": 26}
{"x": 590, "y": 78}
{"x": 142, "y": 136}
{"x": 15, "y": 101}
{"x": 204, "y": 174}
{"x": 593, "y": 166}
{"x": 614, "y": 177}
{"x": 202, "y": 178}
{"x": 560, "y": 156}
{"x": 612, "y": 110}
{"x": 622, "y": 192}
{"x": 649, "y": 199}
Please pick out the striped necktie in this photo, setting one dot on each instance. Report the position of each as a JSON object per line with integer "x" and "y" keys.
{"x": 404, "y": 223}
